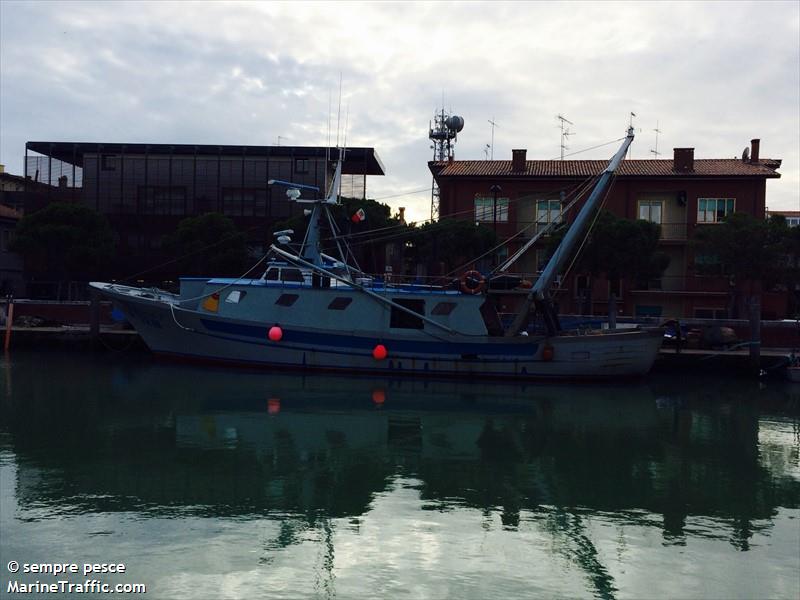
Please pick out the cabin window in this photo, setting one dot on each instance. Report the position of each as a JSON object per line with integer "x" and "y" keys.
{"x": 714, "y": 210}
{"x": 443, "y": 308}
{"x": 272, "y": 274}
{"x": 235, "y": 297}
{"x": 339, "y": 303}
{"x": 402, "y": 320}
{"x": 286, "y": 299}
{"x": 293, "y": 275}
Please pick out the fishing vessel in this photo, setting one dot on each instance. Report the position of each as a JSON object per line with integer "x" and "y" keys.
{"x": 312, "y": 311}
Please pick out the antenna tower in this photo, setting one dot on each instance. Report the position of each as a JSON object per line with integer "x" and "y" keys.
{"x": 565, "y": 133}
{"x": 656, "y": 152}
{"x": 443, "y": 132}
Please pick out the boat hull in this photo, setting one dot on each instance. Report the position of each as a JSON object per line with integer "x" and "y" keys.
{"x": 172, "y": 332}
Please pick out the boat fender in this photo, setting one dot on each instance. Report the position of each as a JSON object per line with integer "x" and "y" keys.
{"x": 379, "y": 352}
{"x": 472, "y": 282}
{"x": 548, "y": 353}
{"x": 275, "y": 333}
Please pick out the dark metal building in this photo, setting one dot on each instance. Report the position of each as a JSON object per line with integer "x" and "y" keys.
{"x": 145, "y": 190}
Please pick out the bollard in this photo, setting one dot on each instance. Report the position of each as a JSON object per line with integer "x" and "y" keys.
{"x": 94, "y": 315}
{"x": 612, "y": 311}
{"x": 755, "y": 332}
{"x": 9, "y": 322}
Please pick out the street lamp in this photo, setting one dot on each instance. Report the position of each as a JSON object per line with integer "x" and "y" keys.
{"x": 495, "y": 189}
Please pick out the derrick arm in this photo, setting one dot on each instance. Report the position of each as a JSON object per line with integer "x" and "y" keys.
{"x": 540, "y": 292}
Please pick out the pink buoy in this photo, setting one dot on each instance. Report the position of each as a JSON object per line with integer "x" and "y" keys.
{"x": 379, "y": 352}
{"x": 275, "y": 333}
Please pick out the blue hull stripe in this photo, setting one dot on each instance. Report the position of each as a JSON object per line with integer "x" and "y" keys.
{"x": 519, "y": 351}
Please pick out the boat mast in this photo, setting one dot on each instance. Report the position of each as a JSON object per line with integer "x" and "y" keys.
{"x": 311, "y": 244}
{"x": 540, "y": 292}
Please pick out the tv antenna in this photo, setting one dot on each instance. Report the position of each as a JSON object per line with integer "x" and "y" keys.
{"x": 281, "y": 137}
{"x": 565, "y": 133}
{"x": 493, "y": 124}
{"x": 656, "y": 152}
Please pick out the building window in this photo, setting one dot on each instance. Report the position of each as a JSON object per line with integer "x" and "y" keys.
{"x": 714, "y": 210}
{"x": 443, "y": 308}
{"x": 243, "y": 202}
{"x": 400, "y": 319}
{"x": 162, "y": 200}
{"x": 643, "y": 310}
{"x": 485, "y": 210}
{"x": 108, "y": 162}
{"x": 651, "y": 210}
{"x": 339, "y": 303}
{"x": 286, "y": 299}
{"x": 549, "y": 211}
{"x": 301, "y": 165}
{"x": 711, "y": 313}
{"x": 5, "y": 239}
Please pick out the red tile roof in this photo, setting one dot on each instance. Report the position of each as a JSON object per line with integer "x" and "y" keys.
{"x": 6, "y": 212}
{"x": 714, "y": 167}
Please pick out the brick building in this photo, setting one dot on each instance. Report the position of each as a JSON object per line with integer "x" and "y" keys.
{"x": 680, "y": 194}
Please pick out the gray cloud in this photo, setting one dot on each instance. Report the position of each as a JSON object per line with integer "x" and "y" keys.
{"x": 714, "y": 75}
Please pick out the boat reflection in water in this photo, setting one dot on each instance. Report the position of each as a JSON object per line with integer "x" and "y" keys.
{"x": 317, "y": 455}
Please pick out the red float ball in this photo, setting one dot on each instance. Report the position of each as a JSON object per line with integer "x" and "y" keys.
{"x": 275, "y": 333}
{"x": 378, "y": 396}
{"x": 379, "y": 352}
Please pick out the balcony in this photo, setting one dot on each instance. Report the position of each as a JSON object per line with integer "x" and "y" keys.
{"x": 674, "y": 232}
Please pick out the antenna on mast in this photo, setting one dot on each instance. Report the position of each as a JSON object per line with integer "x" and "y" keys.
{"x": 656, "y": 152}
{"x": 493, "y": 124}
{"x": 339, "y": 114}
{"x": 443, "y": 133}
{"x": 565, "y": 133}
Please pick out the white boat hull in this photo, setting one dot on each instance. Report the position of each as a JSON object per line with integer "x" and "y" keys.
{"x": 173, "y": 332}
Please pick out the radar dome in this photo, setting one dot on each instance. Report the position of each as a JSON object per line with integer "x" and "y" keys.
{"x": 455, "y": 123}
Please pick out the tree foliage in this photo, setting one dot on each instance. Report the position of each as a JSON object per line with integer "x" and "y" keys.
{"x": 454, "y": 242}
{"x": 748, "y": 249}
{"x": 208, "y": 244}
{"x": 65, "y": 240}
{"x": 619, "y": 248}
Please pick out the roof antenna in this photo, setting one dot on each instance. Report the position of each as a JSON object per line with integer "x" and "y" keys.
{"x": 565, "y": 133}
{"x": 656, "y": 152}
{"x": 493, "y": 124}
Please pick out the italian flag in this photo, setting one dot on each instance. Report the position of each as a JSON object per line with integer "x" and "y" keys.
{"x": 359, "y": 216}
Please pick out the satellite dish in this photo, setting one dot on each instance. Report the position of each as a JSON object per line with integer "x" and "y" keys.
{"x": 293, "y": 193}
{"x": 746, "y": 154}
{"x": 284, "y": 239}
{"x": 455, "y": 123}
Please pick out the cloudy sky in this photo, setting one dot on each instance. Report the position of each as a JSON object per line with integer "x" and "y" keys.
{"x": 712, "y": 75}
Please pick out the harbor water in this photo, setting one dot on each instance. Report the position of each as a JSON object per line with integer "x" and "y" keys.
{"x": 213, "y": 483}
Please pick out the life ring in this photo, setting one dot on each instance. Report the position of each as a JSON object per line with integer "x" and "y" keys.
{"x": 472, "y": 282}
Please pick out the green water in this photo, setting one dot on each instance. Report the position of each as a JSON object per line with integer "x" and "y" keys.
{"x": 228, "y": 484}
